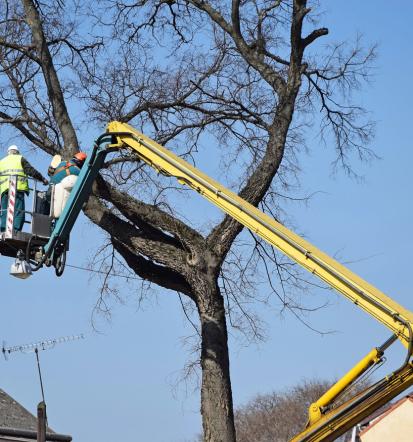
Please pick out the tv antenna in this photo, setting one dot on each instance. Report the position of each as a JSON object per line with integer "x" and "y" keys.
{"x": 35, "y": 347}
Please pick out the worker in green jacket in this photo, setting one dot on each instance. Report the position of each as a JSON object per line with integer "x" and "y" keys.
{"x": 15, "y": 164}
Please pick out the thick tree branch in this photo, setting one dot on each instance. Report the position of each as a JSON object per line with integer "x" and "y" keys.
{"x": 25, "y": 50}
{"x": 149, "y": 271}
{"x": 135, "y": 239}
{"x": 235, "y": 17}
{"x": 51, "y": 79}
{"x": 139, "y": 212}
{"x": 222, "y": 236}
{"x": 317, "y": 33}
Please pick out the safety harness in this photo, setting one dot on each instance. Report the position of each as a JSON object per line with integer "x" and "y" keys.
{"x": 66, "y": 168}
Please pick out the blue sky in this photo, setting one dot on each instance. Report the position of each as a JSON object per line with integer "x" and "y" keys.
{"x": 121, "y": 383}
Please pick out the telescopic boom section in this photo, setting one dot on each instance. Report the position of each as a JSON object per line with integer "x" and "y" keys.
{"x": 325, "y": 422}
{"x": 398, "y": 319}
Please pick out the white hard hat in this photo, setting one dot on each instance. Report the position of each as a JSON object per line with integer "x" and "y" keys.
{"x": 13, "y": 147}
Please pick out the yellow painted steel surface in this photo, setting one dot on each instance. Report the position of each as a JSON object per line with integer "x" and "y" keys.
{"x": 370, "y": 359}
{"x": 337, "y": 421}
{"x": 399, "y": 320}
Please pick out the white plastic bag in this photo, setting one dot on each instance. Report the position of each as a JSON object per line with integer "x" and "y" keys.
{"x": 21, "y": 269}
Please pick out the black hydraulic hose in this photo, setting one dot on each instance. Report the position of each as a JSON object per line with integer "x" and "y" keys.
{"x": 387, "y": 343}
{"x": 410, "y": 347}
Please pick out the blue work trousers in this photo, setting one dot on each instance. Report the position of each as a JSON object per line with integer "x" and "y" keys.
{"x": 19, "y": 209}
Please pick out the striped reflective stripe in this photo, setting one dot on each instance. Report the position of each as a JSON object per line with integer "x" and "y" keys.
{"x": 10, "y": 207}
{"x": 12, "y": 171}
{"x": 19, "y": 178}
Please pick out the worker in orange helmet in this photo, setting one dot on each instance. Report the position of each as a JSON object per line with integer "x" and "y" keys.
{"x": 66, "y": 168}
{"x": 63, "y": 176}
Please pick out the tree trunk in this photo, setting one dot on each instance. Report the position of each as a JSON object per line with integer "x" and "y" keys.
{"x": 216, "y": 394}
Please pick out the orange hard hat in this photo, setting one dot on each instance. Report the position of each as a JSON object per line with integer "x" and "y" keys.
{"x": 81, "y": 156}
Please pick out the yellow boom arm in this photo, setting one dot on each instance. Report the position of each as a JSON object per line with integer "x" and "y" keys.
{"x": 324, "y": 423}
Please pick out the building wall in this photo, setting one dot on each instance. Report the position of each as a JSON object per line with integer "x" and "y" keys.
{"x": 397, "y": 425}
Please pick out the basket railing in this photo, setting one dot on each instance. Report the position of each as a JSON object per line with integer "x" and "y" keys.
{"x": 31, "y": 203}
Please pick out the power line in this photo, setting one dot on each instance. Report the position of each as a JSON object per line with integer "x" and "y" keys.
{"x": 101, "y": 272}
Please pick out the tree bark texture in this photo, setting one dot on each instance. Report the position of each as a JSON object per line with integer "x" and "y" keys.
{"x": 216, "y": 393}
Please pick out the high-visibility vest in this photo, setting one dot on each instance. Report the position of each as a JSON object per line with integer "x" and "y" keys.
{"x": 12, "y": 165}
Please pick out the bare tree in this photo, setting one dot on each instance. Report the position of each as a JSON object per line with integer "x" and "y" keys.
{"x": 279, "y": 416}
{"x": 245, "y": 74}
